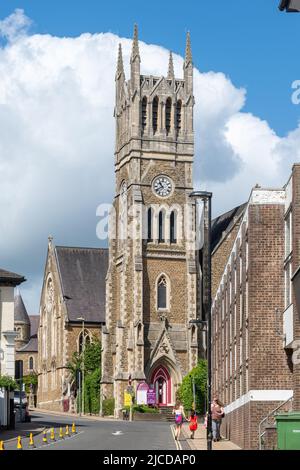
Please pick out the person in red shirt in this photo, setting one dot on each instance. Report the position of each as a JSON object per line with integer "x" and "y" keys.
{"x": 193, "y": 423}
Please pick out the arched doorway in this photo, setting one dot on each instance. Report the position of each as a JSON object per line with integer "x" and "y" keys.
{"x": 162, "y": 383}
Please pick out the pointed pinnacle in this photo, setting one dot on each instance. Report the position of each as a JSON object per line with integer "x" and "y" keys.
{"x": 171, "y": 74}
{"x": 120, "y": 66}
{"x": 135, "y": 44}
{"x": 188, "y": 49}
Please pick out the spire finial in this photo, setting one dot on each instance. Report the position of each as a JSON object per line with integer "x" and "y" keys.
{"x": 120, "y": 66}
{"x": 135, "y": 44}
{"x": 188, "y": 49}
{"x": 171, "y": 74}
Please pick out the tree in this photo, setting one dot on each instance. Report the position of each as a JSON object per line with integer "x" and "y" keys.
{"x": 185, "y": 391}
{"x": 7, "y": 382}
{"x": 30, "y": 382}
{"x": 91, "y": 359}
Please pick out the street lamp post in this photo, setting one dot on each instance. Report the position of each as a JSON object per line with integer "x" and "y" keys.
{"x": 206, "y": 197}
{"x": 82, "y": 362}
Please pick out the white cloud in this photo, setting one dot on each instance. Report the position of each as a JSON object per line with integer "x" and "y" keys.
{"x": 15, "y": 25}
{"x": 57, "y": 140}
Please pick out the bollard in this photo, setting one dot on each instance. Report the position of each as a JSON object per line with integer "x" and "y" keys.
{"x": 61, "y": 433}
{"x": 73, "y": 428}
{"x": 2, "y": 445}
{"x": 19, "y": 444}
{"x": 67, "y": 431}
{"x": 31, "y": 441}
{"x": 45, "y": 440}
{"x": 52, "y": 435}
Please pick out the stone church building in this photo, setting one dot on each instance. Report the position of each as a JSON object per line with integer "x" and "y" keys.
{"x": 72, "y": 311}
{"x": 153, "y": 271}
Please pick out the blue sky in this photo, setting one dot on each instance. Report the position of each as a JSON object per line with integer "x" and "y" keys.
{"x": 57, "y": 98}
{"x": 249, "y": 40}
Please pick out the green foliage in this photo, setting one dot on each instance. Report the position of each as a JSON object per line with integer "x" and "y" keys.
{"x": 145, "y": 409}
{"x": 7, "y": 382}
{"x": 30, "y": 381}
{"x": 92, "y": 356}
{"x": 141, "y": 409}
{"x": 92, "y": 388}
{"x": 74, "y": 365}
{"x": 185, "y": 391}
{"x": 108, "y": 407}
{"x": 91, "y": 361}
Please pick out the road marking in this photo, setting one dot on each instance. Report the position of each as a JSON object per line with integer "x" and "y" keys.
{"x": 43, "y": 446}
{"x": 177, "y": 443}
{"x": 117, "y": 433}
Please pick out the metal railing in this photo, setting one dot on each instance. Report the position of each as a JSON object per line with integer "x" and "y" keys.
{"x": 267, "y": 421}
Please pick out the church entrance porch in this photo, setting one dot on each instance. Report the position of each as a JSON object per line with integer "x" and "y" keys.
{"x": 161, "y": 381}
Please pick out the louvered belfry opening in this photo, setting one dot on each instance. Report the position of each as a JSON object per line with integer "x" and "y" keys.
{"x": 155, "y": 114}
{"x": 168, "y": 114}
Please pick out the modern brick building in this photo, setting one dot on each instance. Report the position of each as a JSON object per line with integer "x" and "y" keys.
{"x": 255, "y": 322}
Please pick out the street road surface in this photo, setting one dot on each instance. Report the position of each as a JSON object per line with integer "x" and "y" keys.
{"x": 101, "y": 435}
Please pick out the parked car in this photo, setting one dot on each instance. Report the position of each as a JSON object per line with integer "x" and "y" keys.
{"x": 17, "y": 399}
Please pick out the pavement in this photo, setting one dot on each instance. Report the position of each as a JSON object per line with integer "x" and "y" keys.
{"x": 200, "y": 443}
{"x": 21, "y": 429}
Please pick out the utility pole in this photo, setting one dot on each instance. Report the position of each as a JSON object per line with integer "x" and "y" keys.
{"x": 82, "y": 364}
{"x": 206, "y": 197}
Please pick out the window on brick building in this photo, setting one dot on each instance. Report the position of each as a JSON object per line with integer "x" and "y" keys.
{"x": 173, "y": 228}
{"x": 162, "y": 293}
{"x": 168, "y": 114}
{"x": 144, "y": 113}
{"x": 154, "y": 114}
{"x": 31, "y": 364}
{"x": 149, "y": 221}
{"x": 178, "y": 115}
{"x": 161, "y": 226}
{"x": 288, "y": 283}
{"x": 288, "y": 233}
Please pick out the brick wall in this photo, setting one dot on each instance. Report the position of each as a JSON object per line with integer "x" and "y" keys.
{"x": 295, "y": 265}
{"x": 248, "y": 351}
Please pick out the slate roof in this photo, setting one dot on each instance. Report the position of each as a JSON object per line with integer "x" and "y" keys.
{"x": 31, "y": 346}
{"x": 21, "y": 314}
{"x": 224, "y": 223}
{"x": 82, "y": 273}
{"x": 34, "y": 324}
{"x": 11, "y": 278}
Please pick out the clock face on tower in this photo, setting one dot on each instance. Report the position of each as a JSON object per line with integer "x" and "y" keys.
{"x": 162, "y": 186}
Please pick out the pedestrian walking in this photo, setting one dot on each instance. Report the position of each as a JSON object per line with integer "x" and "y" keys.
{"x": 178, "y": 411}
{"x": 217, "y": 414}
{"x": 193, "y": 423}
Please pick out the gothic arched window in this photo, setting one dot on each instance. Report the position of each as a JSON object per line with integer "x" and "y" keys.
{"x": 161, "y": 227}
{"x": 144, "y": 113}
{"x": 19, "y": 332}
{"x": 178, "y": 115}
{"x": 162, "y": 293}
{"x": 173, "y": 228}
{"x": 149, "y": 231}
{"x": 155, "y": 114}
{"x": 31, "y": 365}
{"x": 168, "y": 114}
{"x": 83, "y": 339}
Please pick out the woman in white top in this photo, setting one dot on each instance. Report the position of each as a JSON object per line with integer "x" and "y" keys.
{"x": 178, "y": 411}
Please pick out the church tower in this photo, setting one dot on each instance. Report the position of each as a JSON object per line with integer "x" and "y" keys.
{"x": 153, "y": 275}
